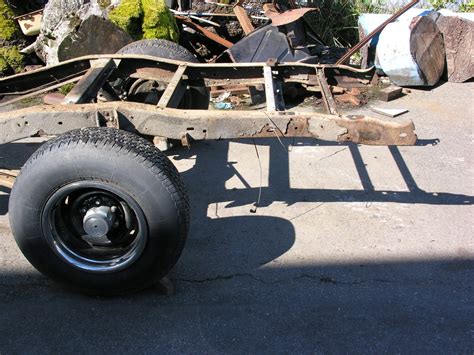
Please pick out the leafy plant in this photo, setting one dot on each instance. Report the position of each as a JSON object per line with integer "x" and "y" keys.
{"x": 336, "y": 20}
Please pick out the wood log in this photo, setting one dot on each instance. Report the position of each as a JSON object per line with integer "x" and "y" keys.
{"x": 412, "y": 52}
{"x": 458, "y": 36}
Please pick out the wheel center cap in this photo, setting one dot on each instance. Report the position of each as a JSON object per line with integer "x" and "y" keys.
{"x": 98, "y": 221}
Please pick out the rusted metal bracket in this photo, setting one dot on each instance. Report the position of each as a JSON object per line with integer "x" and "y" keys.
{"x": 89, "y": 85}
{"x": 7, "y": 180}
{"x": 328, "y": 98}
{"x": 273, "y": 92}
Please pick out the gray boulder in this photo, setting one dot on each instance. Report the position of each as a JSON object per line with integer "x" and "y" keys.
{"x": 73, "y": 28}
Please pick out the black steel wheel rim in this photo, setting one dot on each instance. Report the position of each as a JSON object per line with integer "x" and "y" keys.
{"x": 94, "y": 226}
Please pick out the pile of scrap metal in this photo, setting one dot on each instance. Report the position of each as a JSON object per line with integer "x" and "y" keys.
{"x": 281, "y": 34}
{"x": 285, "y": 36}
{"x": 256, "y": 33}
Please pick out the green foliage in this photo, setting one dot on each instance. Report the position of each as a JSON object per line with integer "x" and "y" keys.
{"x": 145, "y": 19}
{"x": 104, "y": 4}
{"x": 11, "y": 56}
{"x": 158, "y": 21}
{"x": 336, "y": 20}
{"x": 4, "y": 67}
{"x": 66, "y": 89}
{"x": 8, "y": 27}
{"x": 439, "y": 4}
{"x": 467, "y": 7}
{"x": 129, "y": 16}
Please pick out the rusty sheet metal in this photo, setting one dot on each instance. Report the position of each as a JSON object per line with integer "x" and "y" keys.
{"x": 202, "y": 124}
{"x": 284, "y": 18}
{"x": 371, "y": 131}
{"x": 150, "y": 73}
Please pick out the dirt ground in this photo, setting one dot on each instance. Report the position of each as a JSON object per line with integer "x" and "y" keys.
{"x": 353, "y": 249}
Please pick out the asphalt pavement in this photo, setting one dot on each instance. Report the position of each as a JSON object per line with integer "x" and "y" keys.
{"x": 353, "y": 249}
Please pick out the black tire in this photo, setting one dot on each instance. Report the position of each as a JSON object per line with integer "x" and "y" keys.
{"x": 197, "y": 96}
{"x": 112, "y": 167}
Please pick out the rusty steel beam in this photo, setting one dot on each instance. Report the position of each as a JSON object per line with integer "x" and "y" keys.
{"x": 202, "y": 124}
{"x": 89, "y": 85}
{"x": 175, "y": 89}
{"x": 326, "y": 92}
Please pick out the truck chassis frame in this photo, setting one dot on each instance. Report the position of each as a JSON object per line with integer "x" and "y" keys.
{"x": 166, "y": 120}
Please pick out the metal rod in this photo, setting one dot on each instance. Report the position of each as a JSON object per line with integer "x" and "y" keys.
{"x": 211, "y": 14}
{"x": 42, "y": 91}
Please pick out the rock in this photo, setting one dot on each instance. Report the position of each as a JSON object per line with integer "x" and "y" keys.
{"x": 85, "y": 40}
{"x": 458, "y": 36}
{"x": 78, "y": 27}
{"x": 72, "y": 28}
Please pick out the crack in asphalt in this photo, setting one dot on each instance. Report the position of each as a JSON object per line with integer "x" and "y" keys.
{"x": 333, "y": 154}
{"x": 323, "y": 279}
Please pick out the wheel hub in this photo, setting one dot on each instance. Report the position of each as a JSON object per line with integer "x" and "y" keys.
{"x": 98, "y": 221}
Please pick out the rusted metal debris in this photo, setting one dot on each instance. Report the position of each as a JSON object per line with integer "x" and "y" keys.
{"x": 211, "y": 35}
{"x": 289, "y": 16}
{"x": 243, "y": 17}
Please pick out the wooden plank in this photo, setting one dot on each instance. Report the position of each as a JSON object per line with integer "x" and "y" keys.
{"x": 390, "y": 93}
{"x": 175, "y": 90}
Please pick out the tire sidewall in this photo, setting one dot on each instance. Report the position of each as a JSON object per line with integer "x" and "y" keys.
{"x": 131, "y": 177}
